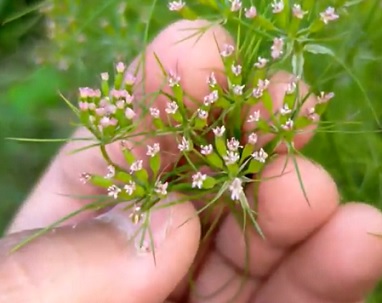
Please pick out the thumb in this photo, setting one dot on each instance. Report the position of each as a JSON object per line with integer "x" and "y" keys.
{"x": 95, "y": 261}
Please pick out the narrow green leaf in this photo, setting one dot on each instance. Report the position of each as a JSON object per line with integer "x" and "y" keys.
{"x": 265, "y": 23}
{"x": 215, "y": 160}
{"x": 267, "y": 101}
{"x": 318, "y": 49}
{"x": 302, "y": 122}
{"x": 320, "y": 108}
{"x": 188, "y": 13}
{"x": 209, "y": 183}
{"x": 263, "y": 126}
{"x": 155, "y": 164}
{"x": 128, "y": 155}
{"x": 123, "y": 177}
{"x": 101, "y": 181}
{"x": 247, "y": 151}
{"x": 254, "y": 167}
{"x": 220, "y": 145}
{"x": 142, "y": 176}
{"x": 298, "y": 63}
{"x": 29, "y": 9}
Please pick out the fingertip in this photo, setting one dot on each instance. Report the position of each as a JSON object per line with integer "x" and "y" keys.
{"x": 285, "y": 214}
{"x": 342, "y": 261}
{"x": 191, "y": 49}
{"x": 83, "y": 259}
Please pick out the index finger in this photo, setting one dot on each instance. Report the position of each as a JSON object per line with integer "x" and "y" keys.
{"x": 193, "y": 57}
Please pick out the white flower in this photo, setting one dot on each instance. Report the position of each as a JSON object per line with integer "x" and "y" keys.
{"x": 176, "y": 5}
{"x": 173, "y": 79}
{"x": 288, "y": 125}
{"x": 263, "y": 84}
{"x": 113, "y": 191}
{"x": 238, "y": 89}
{"x": 285, "y": 110}
{"x": 109, "y": 109}
{"x": 84, "y": 178}
{"x": 206, "y": 149}
{"x": 136, "y": 215}
{"x": 219, "y": 131}
{"x": 251, "y": 12}
{"x": 120, "y": 67}
{"x": 260, "y": 155}
{"x": 83, "y": 106}
{"x": 277, "y": 6}
{"x": 211, "y": 98}
{"x": 298, "y": 12}
{"x": 110, "y": 172}
{"x": 154, "y": 112}
{"x": 211, "y": 80}
{"x": 325, "y": 97}
{"x": 153, "y": 150}
{"x": 130, "y": 79}
{"x": 236, "y": 189}
{"x": 236, "y": 5}
{"x": 92, "y": 106}
{"x": 257, "y": 92}
{"x": 252, "y": 139}
{"x": 198, "y": 179}
{"x": 105, "y": 76}
{"x": 120, "y": 104}
{"x": 311, "y": 112}
{"x": 236, "y": 69}
{"x": 184, "y": 145}
{"x": 329, "y": 15}
{"x": 233, "y": 144}
{"x": 261, "y": 62}
{"x": 107, "y": 121}
{"x": 277, "y": 49}
{"x": 202, "y": 114}
{"x": 291, "y": 88}
{"x": 84, "y": 92}
{"x": 161, "y": 188}
{"x": 171, "y": 107}
{"x": 130, "y": 188}
{"x": 255, "y": 117}
{"x": 231, "y": 158}
{"x": 87, "y": 92}
{"x": 136, "y": 166}
{"x": 100, "y": 111}
{"x": 227, "y": 51}
{"x": 129, "y": 113}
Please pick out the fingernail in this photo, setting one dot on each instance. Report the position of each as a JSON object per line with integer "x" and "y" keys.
{"x": 150, "y": 232}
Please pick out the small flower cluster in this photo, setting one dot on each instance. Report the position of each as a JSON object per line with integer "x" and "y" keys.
{"x": 280, "y": 12}
{"x": 134, "y": 183}
{"x": 107, "y": 110}
{"x": 212, "y": 135}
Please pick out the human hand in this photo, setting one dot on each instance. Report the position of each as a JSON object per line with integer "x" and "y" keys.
{"x": 322, "y": 253}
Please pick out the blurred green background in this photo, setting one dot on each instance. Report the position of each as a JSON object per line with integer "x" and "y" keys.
{"x": 51, "y": 46}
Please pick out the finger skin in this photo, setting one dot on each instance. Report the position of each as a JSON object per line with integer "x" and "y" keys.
{"x": 284, "y": 215}
{"x": 340, "y": 263}
{"x": 96, "y": 262}
{"x": 193, "y": 59}
{"x": 220, "y": 282}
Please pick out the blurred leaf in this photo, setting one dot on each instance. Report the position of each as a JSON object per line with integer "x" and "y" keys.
{"x": 27, "y": 10}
